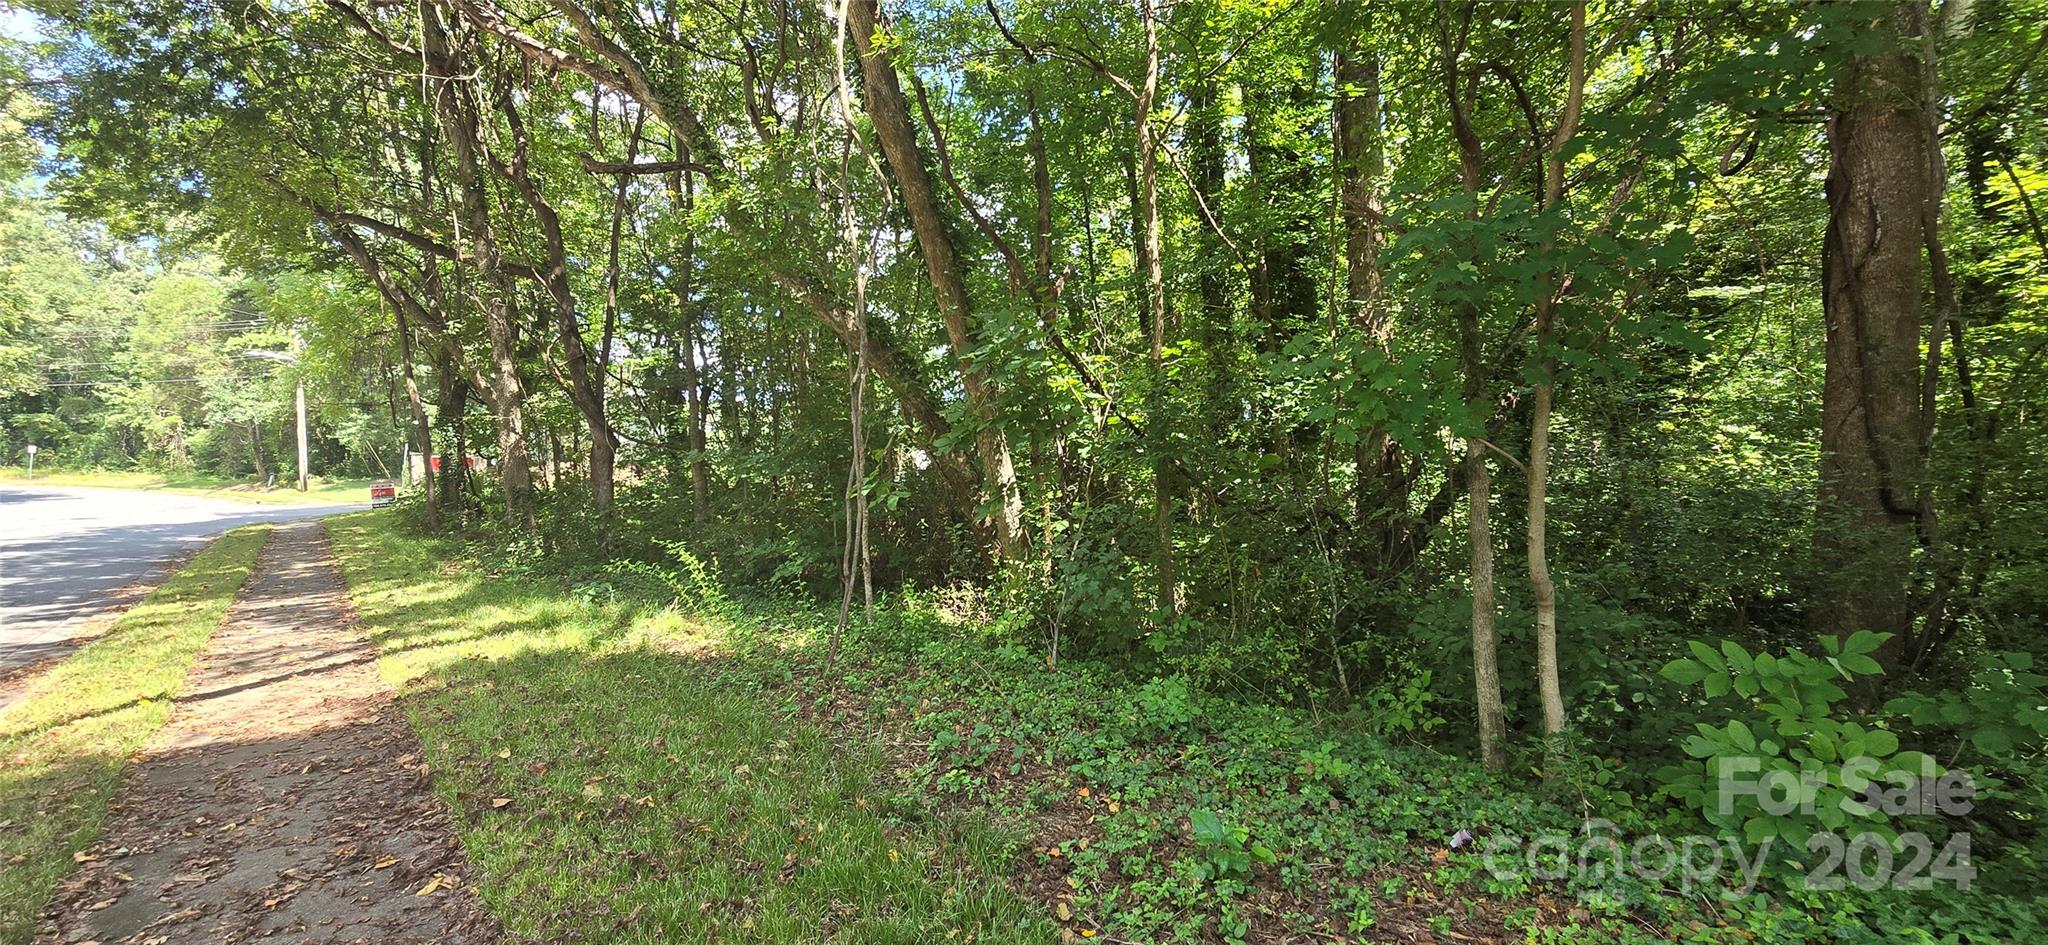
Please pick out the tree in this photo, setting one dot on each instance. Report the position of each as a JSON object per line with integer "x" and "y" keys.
{"x": 1872, "y": 423}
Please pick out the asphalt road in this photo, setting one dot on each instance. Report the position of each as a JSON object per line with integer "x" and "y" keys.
{"x": 64, "y": 551}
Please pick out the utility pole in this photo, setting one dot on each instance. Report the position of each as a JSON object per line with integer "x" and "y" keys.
{"x": 299, "y": 399}
{"x": 301, "y": 405}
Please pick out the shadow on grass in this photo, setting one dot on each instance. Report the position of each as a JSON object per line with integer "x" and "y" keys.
{"x": 145, "y": 646}
{"x": 53, "y": 806}
{"x": 612, "y": 791}
{"x": 648, "y": 797}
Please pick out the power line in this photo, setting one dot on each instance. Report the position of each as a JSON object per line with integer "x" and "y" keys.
{"x": 75, "y": 365}
{"x": 107, "y": 382}
{"x": 111, "y": 332}
{"x": 114, "y": 331}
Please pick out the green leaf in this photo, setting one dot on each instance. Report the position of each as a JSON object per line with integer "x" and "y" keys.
{"x": 1706, "y": 655}
{"x": 1991, "y": 741}
{"x": 1823, "y": 746}
{"x": 1738, "y": 658}
{"x": 1684, "y": 672}
{"x": 1864, "y": 641}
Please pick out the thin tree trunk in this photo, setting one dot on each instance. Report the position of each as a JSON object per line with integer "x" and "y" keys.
{"x": 256, "y": 447}
{"x": 696, "y": 387}
{"x": 1478, "y": 478}
{"x": 1943, "y": 561}
{"x": 889, "y": 113}
{"x": 1543, "y": 590}
{"x": 1155, "y": 301}
{"x": 1485, "y": 658}
{"x": 422, "y": 429}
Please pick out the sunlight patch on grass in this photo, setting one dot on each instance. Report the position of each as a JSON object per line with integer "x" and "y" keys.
{"x": 63, "y": 746}
{"x": 613, "y": 783}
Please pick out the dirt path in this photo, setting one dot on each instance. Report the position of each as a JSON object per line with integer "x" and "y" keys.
{"x": 284, "y": 799}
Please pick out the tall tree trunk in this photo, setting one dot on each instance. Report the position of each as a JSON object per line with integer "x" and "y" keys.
{"x": 423, "y": 430}
{"x": 1485, "y": 656}
{"x": 1283, "y": 290}
{"x": 1871, "y": 467}
{"x": 507, "y": 396}
{"x": 1383, "y": 487}
{"x": 696, "y": 386}
{"x": 697, "y": 410}
{"x": 1478, "y": 478}
{"x": 1156, "y": 425}
{"x": 585, "y": 390}
{"x": 889, "y": 112}
{"x": 1543, "y": 590}
{"x": 453, "y": 406}
{"x": 1205, "y": 160}
{"x": 256, "y": 448}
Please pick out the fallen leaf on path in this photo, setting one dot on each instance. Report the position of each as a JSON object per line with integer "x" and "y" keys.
{"x": 385, "y": 863}
{"x": 82, "y": 857}
{"x": 498, "y": 802}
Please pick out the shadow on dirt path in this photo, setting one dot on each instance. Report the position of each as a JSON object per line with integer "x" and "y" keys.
{"x": 285, "y": 798}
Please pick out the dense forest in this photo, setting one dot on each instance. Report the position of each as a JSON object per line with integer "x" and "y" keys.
{"x": 1600, "y": 391}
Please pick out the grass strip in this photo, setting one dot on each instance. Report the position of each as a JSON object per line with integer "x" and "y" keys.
{"x": 65, "y": 743}
{"x": 613, "y": 782}
{"x": 319, "y": 491}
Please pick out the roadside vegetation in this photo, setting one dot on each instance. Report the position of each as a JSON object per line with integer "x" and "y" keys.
{"x": 617, "y": 777}
{"x": 1343, "y": 434}
{"x": 640, "y": 752}
{"x": 64, "y": 745}
{"x": 318, "y": 492}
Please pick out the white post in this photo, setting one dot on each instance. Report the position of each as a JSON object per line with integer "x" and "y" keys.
{"x": 31, "y": 460}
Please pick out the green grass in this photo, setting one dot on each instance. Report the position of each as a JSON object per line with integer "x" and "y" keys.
{"x": 651, "y": 791}
{"x": 626, "y": 773}
{"x": 64, "y": 745}
{"x": 319, "y": 492}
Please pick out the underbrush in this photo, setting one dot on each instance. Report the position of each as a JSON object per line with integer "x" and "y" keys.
{"x": 1128, "y": 809}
